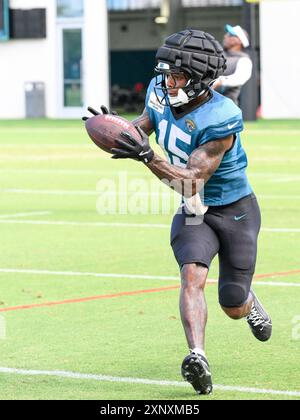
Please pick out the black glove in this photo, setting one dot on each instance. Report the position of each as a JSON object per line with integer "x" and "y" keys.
{"x": 104, "y": 111}
{"x": 132, "y": 149}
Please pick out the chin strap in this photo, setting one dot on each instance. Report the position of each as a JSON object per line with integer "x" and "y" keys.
{"x": 182, "y": 98}
{"x": 179, "y": 100}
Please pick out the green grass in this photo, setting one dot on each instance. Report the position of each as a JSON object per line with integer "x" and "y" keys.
{"x": 137, "y": 336}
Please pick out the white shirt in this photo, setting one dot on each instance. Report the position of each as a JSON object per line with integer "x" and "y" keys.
{"x": 241, "y": 75}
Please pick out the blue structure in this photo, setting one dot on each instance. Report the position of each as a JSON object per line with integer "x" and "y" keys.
{"x": 4, "y": 20}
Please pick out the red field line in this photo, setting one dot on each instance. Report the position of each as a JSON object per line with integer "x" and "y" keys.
{"x": 136, "y": 292}
{"x": 87, "y": 299}
{"x": 284, "y": 273}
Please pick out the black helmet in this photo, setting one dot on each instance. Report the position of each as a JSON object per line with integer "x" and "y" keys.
{"x": 197, "y": 54}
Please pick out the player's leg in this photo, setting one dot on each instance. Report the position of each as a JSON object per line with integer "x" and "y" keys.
{"x": 194, "y": 246}
{"x": 238, "y": 312}
{"x": 237, "y": 256}
{"x": 258, "y": 319}
{"x": 193, "y": 307}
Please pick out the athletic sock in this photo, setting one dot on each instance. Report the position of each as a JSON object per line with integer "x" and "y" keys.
{"x": 198, "y": 351}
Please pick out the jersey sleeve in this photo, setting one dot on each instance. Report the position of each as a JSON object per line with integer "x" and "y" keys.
{"x": 149, "y": 100}
{"x": 231, "y": 126}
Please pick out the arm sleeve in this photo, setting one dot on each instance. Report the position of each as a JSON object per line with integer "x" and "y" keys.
{"x": 241, "y": 75}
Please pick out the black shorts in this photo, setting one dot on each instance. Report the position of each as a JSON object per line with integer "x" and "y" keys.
{"x": 231, "y": 232}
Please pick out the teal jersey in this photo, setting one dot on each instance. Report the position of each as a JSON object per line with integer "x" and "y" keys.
{"x": 219, "y": 117}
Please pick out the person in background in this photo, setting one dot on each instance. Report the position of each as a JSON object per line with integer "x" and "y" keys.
{"x": 239, "y": 65}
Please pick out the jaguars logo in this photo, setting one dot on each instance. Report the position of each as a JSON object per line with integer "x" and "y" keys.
{"x": 191, "y": 126}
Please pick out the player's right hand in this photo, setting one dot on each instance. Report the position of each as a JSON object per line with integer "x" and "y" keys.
{"x": 133, "y": 149}
{"x": 104, "y": 111}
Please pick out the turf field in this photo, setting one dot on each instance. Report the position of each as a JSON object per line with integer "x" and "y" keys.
{"x": 97, "y": 295}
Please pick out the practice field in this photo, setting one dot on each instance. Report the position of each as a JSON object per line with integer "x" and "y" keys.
{"x": 89, "y": 301}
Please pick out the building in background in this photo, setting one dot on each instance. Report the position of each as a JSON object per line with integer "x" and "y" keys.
{"x": 280, "y": 59}
{"x": 54, "y": 57}
{"x": 274, "y": 31}
{"x": 138, "y": 29}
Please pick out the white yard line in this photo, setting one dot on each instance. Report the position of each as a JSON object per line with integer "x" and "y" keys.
{"x": 83, "y": 274}
{"x": 278, "y": 159}
{"x": 121, "y": 193}
{"x": 126, "y": 276}
{"x": 50, "y": 130}
{"x": 47, "y": 145}
{"x": 47, "y": 192}
{"x": 98, "y": 155}
{"x": 55, "y": 130}
{"x": 278, "y": 197}
{"x": 36, "y": 213}
{"x": 121, "y": 225}
{"x": 86, "y": 192}
{"x": 275, "y": 283}
{"x": 116, "y": 379}
{"x": 283, "y": 180}
{"x": 141, "y": 172}
{"x": 281, "y": 230}
{"x": 272, "y": 148}
{"x": 268, "y": 174}
{"x": 75, "y": 172}
{"x": 85, "y": 224}
{"x": 53, "y": 158}
{"x": 270, "y": 132}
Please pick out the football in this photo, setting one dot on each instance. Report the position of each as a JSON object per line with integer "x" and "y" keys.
{"x": 105, "y": 129}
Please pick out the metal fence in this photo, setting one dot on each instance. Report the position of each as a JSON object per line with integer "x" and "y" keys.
{"x": 148, "y": 4}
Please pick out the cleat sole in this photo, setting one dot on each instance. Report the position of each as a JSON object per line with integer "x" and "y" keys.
{"x": 194, "y": 373}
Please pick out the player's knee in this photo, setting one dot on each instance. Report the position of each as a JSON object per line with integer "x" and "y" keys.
{"x": 194, "y": 275}
{"x": 232, "y": 298}
{"x": 234, "y": 313}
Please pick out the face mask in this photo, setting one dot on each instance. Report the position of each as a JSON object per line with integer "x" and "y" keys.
{"x": 181, "y": 98}
{"x": 184, "y": 95}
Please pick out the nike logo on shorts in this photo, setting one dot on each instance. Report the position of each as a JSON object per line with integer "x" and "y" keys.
{"x": 238, "y": 218}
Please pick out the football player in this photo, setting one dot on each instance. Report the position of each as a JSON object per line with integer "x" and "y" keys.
{"x": 199, "y": 131}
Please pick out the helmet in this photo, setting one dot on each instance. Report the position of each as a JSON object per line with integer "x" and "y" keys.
{"x": 195, "y": 53}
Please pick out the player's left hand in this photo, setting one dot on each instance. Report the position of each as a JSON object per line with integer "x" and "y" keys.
{"x": 133, "y": 149}
{"x": 104, "y": 111}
